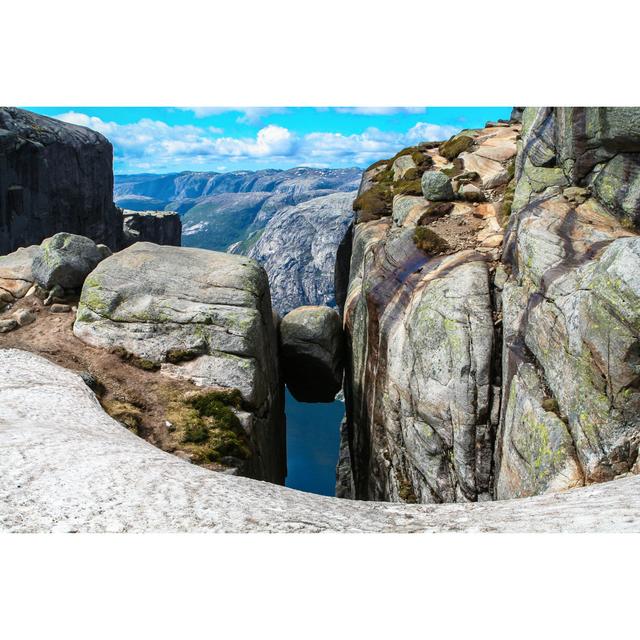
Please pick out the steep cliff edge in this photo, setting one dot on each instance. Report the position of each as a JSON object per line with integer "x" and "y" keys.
{"x": 439, "y": 406}
{"x": 54, "y": 177}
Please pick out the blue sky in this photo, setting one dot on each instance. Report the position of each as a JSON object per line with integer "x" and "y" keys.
{"x": 167, "y": 139}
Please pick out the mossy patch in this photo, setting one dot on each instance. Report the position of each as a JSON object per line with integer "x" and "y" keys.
{"x": 507, "y": 203}
{"x": 176, "y": 356}
{"x": 435, "y": 210}
{"x": 207, "y": 426}
{"x": 453, "y": 147}
{"x": 429, "y": 241}
{"x": 125, "y": 413}
{"x": 140, "y": 363}
{"x": 408, "y": 188}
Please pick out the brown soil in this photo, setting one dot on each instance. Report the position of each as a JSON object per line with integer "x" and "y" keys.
{"x": 459, "y": 231}
{"x": 142, "y": 401}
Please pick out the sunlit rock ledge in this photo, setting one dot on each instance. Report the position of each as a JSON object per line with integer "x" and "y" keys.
{"x": 66, "y": 466}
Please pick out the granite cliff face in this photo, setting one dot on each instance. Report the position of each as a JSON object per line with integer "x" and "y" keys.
{"x": 298, "y": 250}
{"x": 54, "y": 177}
{"x": 474, "y": 375}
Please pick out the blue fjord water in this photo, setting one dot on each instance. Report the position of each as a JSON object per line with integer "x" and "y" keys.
{"x": 313, "y": 441}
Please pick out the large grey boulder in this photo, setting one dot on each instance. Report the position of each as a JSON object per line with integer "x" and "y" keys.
{"x": 65, "y": 260}
{"x": 54, "y": 177}
{"x": 436, "y": 186}
{"x": 199, "y": 315}
{"x": 66, "y": 466}
{"x": 312, "y": 348}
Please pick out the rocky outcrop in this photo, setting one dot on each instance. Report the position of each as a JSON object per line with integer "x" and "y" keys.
{"x": 298, "y": 250}
{"x": 197, "y": 315}
{"x": 475, "y": 375}
{"x": 159, "y": 227}
{"x": 311, "y": 351}
{"x": 571, "y": 305}
{"x": 421, "y": 383}
{"x": 54, "y": 177}
{"x": 66, "y": 466}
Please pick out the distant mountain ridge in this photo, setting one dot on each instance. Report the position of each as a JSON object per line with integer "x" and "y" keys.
{"x": 232, "y": 211}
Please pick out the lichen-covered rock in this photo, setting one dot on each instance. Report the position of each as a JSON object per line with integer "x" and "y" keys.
{"x": 159, "y": 227}
{"x": 65, "y": 260}
{"x": 312, "y": 356}
{"x": 66, "y": 466}
{"x": 571, "y": 309}
{"x": 401, "y": 165}
{"x": 418, "y": 399}
{"x": 54, "y": 177}
{"x": 436, "y": 186}
{"x": 198, "y": 314}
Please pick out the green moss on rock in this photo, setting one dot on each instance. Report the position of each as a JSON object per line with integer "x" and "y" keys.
{"x": 453, "y": 147}
{"x": 429, "y": 241}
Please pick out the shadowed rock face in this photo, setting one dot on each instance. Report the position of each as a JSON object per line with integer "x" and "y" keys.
{"x": 311, "y": 346}
{"x": 159, "y": 227}
{"x": 65, "y": 465}
{"x": 199, "y": 315}
{"x": 54, "y": 177}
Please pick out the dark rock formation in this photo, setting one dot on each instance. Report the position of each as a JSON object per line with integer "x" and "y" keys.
{"x": 341, "y": 271}
{"x": 54, "y": 177}
{"x": 159, "y": 227}
{"x": 311, "y": 350}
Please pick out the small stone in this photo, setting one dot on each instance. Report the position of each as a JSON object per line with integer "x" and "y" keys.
{"x": 60, "y": 308}
{"x": 8, "y": 325}
{"x": 56, "y": 293}
{"x": 105, "y": 252}
{"x": 471, "y": 193}
{"x": 578, "y": 195}
{"x": 170, "y": 426}
{"x": 24, "y": 317}
{"x": 436, "y": 186}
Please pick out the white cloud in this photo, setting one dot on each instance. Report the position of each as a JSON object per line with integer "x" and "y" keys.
{"x": 249, "y": 115}
{"x": 380, "y": 111}
{"x": 153, "y": 145}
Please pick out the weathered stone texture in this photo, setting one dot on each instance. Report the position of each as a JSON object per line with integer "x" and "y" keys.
{"x": 54, "y": 177}
{"x": 213, "y": 309}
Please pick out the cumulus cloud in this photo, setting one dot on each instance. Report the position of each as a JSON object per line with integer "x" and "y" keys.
{"x": 153, "y": 145}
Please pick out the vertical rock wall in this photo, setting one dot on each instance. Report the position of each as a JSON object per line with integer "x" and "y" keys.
{"x": 54, "y": 177}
